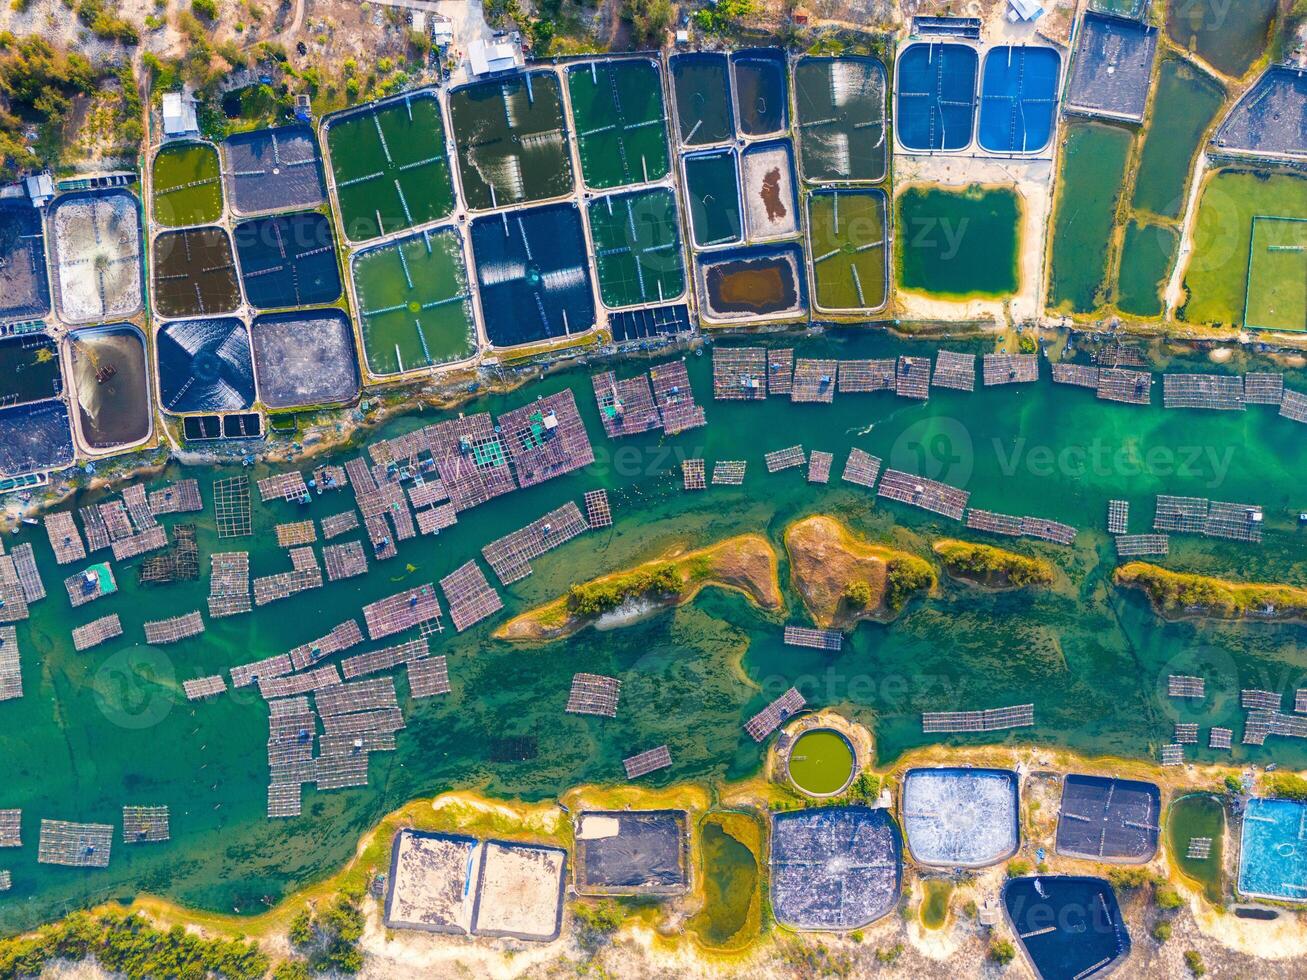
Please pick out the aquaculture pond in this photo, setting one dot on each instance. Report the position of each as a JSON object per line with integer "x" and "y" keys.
{"x": 936, "y": 96}
{"x": 1146, "y": 260}
{"x": 111, "y": 385}
{"x": 273, "y": 170}
{"x": 1069, "y": 926}
{"x": 1228, "y": 41}
{"x": 958, "y": 243}
{"x": 288, "y": 260}
{"x": 771, "y": 205}
{"x": 1272, "y": 852}
{"x": 512, "y": 140}
{"x": 1220, "y": 259}
{"x": 415, "y": 307}
{"x": 712, "y": 187}
{"x": 935, "y": 896}
{"x": 740, "y": 283}
{"x": 187, "y": 185}
{"x": 731, "y": 879}
{"x": 96, "y": 256}
{"x": 194, "y": 273}
{"x": 110, "y": 726}
{"x": 1018, "y": 98}
{"x": 1093, "y": 168}
{"x": 617, "y": 107}
{"x": 821, "y": 762}
{"x": 204, "y": 366}
{"x": 637, "y": 247}
{"x": 840, "y": 114}
{"x": 761, "y": 91}
{"x": 701, "y": 91}
{"x": 1199, "y": 818}
{"x": 1185, "y": 105}
{"x": 35, "y": 437}
{"x": 304, "y": 358}
{"x": 29, "y": 370}
{"x": 848, "y": 245}
{"x": 390, "y": 166}
{"x": 532, "y": 275}
{"x": 24, "y": 290}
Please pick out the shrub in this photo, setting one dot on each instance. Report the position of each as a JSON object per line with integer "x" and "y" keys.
{"x": 208, "y": 9}
{"x": 889, "y": 954}
{"x": 1018, "y": 868}
{"x": 1128, "y": 879}
{"x": 1162, "y": 931}
{"x": 858, "y": 595}
{"x": 1001, "y": 951}
{"x": 596, "y": 923}
{"x": 1167, "y": 898}
{"x": 1194, "y": 960}
{"x": 905, "y": 575}
{"x": 1287, "y": 786}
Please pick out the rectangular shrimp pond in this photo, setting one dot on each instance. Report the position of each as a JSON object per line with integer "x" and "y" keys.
{"x": 712, "y": 187}
{"x": 187, "y": 185}
{"x": 1273, "y": 850}
{"x": 390, "y": 165}
{"x": 24, "y": 291}
{"x": 618, "y": 110}
{"x": 273, "y": 170}
{"x": 701, "y": 90}
{"x": 761, "y": 91}
{"x": 936, "y": 96}
{"x": 512, "y": 140}
{"x": 840, "y": 112}
{"x": 532, "y": 274}
{"x": 195, "y": 273}
{"x": 96, "y": 256}
{"x": 637, "y": 247}
{"x": 848, "y": 243}
{"x": 1018, "y": 98}
{"x": 414, "y": 303}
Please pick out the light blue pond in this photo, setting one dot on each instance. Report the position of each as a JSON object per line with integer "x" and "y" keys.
{"x": 1273, "y": 853}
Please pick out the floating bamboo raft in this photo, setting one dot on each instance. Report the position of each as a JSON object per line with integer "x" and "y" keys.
{"x": 861, "y": 376}
{"x": 819, "y": 464}
{"x": 729, "y": 472}
{"x": 342, "y": 561}
{"x": 861, "y": 468}
{"x": 594, "y": 694}
{"x": 931, "y": 495}
{"x": 802, "y": 636}
{"x": 774, "y": 715}
{"x": 739, "y": 373}
{"x": 469, "y": 596}
{"x": 597, "y": 512}
{"x": 990, "y": 720}
{"x": 428, "y": 677}
{"x": 175, "y": 629}
{"x": 954, "y": 370}
{"x": 646, "y": 762}
{"x": 510, "y": 556}
{"x": 145, "y": 824}
{"x": 75, "y": 845}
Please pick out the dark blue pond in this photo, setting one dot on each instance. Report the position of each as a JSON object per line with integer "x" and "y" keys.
{"x": 936, "y": 96}
{"x": 532, "y": 274}
{"x": 1070, "y": 927}
{"x": 273, "y": 170}
{"x": 1018, "y": 98}
{"x": 205, "y": 366}
{"x": 761, "y": 90}
{"x": 289, "y": 260}
{"x": 35, "y": 437}
{"x": 24, "y": 290}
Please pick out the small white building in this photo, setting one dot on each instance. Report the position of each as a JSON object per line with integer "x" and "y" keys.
{"x": 503, "y": 54}
{"x": 442, "y": 32}
{"x": 40, "y": 189}
{"x": 1027, "y": 10}
{"x": 179, "y": 115}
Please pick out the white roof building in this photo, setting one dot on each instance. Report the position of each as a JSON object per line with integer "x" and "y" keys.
{"x": 490, "y": 58}
{"x": 1027, "y": 10}
{"x": 40, "y": 188}
{"x": 179, "y": 115}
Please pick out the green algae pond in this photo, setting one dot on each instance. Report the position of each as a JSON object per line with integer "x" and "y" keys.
{"x": 1229, "y": 37}
{"x": 849, "y": 250}
{"x": 1219, "y": 262}
{"x": 1185, "y": 105}
{"x": 958, "y": 244}
{"x": 618, "y": 110}
{"x": 414, "y": 303}
{"x": 390, "y": 166}
{"x": 936, "y": 893}
{"x": 732, "y": 880}
{"x": 636, "y": 240}
{"x": 1199, "y": 816}
{"x": 1146, "y": 259}
{"x": 187, "y": 185}
{"x": 840, "y": 117}
{"x": 1093, "y": 170}
{"x": 110, "y": 727}
{"x": 821, "y": 762}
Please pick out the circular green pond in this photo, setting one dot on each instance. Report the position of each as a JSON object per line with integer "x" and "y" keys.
{"x": 821, "y": 762}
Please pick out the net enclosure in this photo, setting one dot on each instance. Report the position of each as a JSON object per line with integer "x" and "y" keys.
{"x": 960, "y": 817}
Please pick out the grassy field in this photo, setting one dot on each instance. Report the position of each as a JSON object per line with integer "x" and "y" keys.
{"x": 1216, "y": 276}
{"x": 1277, "y": 275}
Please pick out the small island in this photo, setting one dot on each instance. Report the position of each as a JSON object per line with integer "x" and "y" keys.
{"x": 745, "y": 563}
{"x": 843, "y": 579}
{"x": 1179, "y": 595}
{"x": 992, "y": 568}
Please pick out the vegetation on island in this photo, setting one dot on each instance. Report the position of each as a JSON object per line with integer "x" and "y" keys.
{"x": 994, "y": 568}
{"x": 1179, "y": 594}
{"x": 843, "y": 579}
{"x": 1286, "y": 786}
{"x": 746, "y": 564}
{"x": 127, "y": 945}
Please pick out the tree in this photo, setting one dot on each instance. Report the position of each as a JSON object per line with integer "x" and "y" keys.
{"x": 1001, "y": 951}
{"x": 858, "y": 595}
{"x": 649, "y": 19}
{"x": 1194, "y": 960}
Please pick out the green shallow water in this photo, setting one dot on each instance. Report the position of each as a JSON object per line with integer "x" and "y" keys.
{"x": 821, "y": 762}
{"x": 109, "y": 727}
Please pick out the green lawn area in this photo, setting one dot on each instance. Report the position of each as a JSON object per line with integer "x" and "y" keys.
{"x": 1277, "y": 275}
{"x": 1217, "y": 272}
